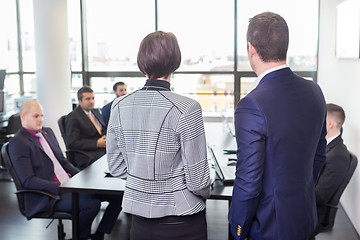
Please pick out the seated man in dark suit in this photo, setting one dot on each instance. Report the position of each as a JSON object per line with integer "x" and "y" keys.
{"x": 335, "y": 167}
{"x": 119, "y": 89}
{"x": 40, "y": 164}
{"x": 85, "y": 129}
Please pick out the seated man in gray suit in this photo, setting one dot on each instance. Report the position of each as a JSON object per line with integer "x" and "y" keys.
{"x": 335, "y": 167}
{"x": 85, "y": 129}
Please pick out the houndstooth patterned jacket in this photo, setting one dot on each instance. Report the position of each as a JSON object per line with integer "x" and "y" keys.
{"x": 156, "y": 141}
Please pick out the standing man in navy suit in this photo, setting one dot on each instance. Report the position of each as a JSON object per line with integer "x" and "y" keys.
{"x": 280, "y": 132}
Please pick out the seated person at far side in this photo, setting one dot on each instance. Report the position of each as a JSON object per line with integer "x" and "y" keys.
{"x": 40, "y": 164}
{"x": 335, "y": 167}
{"x": 119, "y": 89}
{"x": 85, "y": 129}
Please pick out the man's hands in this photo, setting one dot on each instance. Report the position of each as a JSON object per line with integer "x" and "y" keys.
{"x": 101, "y": 142}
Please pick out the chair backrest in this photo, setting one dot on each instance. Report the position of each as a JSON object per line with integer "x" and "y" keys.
{"x": 61, "y": 123}
{"x": 336, "y": 197}
{"x": 328, "y": 220}
{"x": 78, "y": 158}
{"x": 6, "y": 157}
{"x": 69, "y": 153}
{"x": 14, "y": 124}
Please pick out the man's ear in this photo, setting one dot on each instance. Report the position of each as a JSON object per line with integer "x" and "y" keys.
{"x": 251, "y": 50}
{"x": 22, "y": 116}
{"x": 331, "y": 124}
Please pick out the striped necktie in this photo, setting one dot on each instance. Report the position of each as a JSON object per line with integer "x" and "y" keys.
{"x": 93, "y": 121}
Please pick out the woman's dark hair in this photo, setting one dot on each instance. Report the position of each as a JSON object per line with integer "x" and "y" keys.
{"x": 159, "y": 54}
{"x": 269, "y": 34}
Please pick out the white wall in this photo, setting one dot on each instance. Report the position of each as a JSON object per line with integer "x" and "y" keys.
{"x": 340, "y": 82}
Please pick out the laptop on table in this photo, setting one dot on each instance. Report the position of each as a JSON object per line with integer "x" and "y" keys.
{"x": 225, "y": 173}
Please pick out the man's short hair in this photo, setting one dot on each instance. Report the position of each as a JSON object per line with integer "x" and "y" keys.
{"x": 82, "y": 90}
{"x": 159, "y": 54}
{"x": 269, "y": 34}
{"x": 25, "y": 106}
{"x": 336, "y": 113}
{"x": 118, "y": 84}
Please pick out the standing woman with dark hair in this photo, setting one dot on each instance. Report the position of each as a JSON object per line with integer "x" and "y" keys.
{"x": 156, "y": 141}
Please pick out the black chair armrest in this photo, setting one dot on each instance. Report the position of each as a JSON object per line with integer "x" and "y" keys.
{"x": 53, "y": 200}
{"x": 54, "y": 196}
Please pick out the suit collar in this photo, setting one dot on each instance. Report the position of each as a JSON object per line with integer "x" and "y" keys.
{"x": 157, "y": 85}
{"x": 330, "y": 139}
{"x": 276, "y": 74}
{"x": 96, "y": 113}
{"x": 262, "y": 75}
{"x": 26, "y": 133}
{"x": 80, "y": 111}
{"x": 333, "y": 143}
{"x": 30, "y": 137}
{"x": 43, "y": 131}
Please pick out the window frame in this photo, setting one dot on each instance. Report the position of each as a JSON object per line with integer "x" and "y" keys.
{"x": 87, "y": 75}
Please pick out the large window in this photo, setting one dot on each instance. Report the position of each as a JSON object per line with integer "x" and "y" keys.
{"x": 8, "y": 37}
{"x": 214, "y": 92}
{"x": 205, "y": 31}
{"x": 74, "y": 31}
{"x": 103, "y": 87}
{"x": 114, "y": 32}
{"x": 210, "y": 42}
{"x": 104, "y": 38}
{"x": 27, "y": 35}
{"x": 302, "y": 20}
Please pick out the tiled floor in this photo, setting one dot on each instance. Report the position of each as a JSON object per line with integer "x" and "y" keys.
{"x": 13, "y": 226}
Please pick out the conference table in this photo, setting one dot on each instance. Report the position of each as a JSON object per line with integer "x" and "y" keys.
{"x": 94, "y": 180}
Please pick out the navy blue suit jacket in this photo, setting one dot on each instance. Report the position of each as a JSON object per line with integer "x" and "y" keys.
{"x": 105, "y": 113}
{"x": 280, "y": 132}
{"x": 35, "y": 169}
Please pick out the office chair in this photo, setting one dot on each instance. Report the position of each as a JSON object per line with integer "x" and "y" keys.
{"x": 327, "y": 220}
{"x": 50, "y": 214}
{"x": 72, "y": 154}
{"x": 14, "y": 124}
